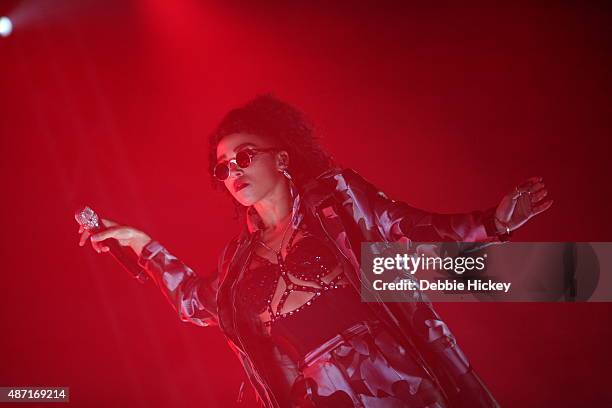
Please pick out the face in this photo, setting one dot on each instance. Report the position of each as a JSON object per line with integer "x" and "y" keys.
{"x": 261, "y": 178}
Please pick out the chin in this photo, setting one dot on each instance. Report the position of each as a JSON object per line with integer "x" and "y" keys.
{"x": 245, "y": 199}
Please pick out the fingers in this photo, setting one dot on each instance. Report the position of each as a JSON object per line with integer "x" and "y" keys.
{"x": 531, "y": 180}
{"x": 109, "y": 223}
{"x": 536, "y": 191}
{"x": 524, "y": 186}
{"x": 542, "y": 207}
{"x": 98, "y": 247}
{"x": 535, "y": 187}
{"x": 96, "y": 239}
{"x": 84, "y": 236}
{"x": 101, "y": 236}
{"x": 113, "y": 232}
{"x": 529, "y": 186}
{"x": 539, "y": 195}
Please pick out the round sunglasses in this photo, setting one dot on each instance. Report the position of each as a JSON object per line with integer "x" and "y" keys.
{"x": 243, "y": 159}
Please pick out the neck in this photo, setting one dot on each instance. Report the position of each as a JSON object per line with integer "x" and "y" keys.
{"x": 275, "y": 208}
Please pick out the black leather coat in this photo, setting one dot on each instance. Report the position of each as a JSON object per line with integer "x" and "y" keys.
{"x": 350, "y": 211}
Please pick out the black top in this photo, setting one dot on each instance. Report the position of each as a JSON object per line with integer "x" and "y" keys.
{"x": 303, "y": 298}
{"x": 333, "y": 312}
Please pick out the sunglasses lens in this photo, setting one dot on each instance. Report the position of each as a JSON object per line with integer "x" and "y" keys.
{"x": 243, "y": 159}
{"x": 221, "y": 171}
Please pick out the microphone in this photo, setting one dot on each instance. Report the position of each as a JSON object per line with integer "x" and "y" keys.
{"x": 89, "y": 220}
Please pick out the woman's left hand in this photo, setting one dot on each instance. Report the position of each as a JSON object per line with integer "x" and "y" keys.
{"x": 523, "y": 203}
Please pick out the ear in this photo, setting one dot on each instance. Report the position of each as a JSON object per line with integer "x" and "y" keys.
{"x": 282, "y": 159}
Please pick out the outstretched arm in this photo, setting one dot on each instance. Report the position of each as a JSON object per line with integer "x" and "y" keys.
{"x": 373, "y": 210}
{"x": 191, "y": 295}
{"x": 396, "y": 219}
{"x": 377, "y": 215}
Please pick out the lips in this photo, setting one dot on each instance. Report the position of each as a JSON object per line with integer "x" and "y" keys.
{"x": 239, "y": 185}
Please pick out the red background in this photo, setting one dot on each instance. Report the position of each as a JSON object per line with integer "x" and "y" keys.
{"x": 109, "y": 103}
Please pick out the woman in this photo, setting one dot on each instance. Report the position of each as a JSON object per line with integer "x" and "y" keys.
{"x": 286, "y": 291}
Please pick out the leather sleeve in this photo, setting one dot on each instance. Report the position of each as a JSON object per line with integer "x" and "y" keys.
{"x": 192, "y": 296}
{"x": 415, "y": 224}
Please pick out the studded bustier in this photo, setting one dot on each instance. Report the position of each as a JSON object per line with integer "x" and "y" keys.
{"x": 279, "y": 289}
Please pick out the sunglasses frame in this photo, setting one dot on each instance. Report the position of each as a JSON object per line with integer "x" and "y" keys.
{"x": 251, "y": 152}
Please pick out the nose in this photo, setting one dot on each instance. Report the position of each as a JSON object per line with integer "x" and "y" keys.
{"x": 235, "y": 170}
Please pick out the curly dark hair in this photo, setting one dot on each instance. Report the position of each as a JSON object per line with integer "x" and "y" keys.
{"x": 285, "y": 126}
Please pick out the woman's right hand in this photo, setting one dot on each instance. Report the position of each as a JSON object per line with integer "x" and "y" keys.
{"x": 125, "y": 236}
